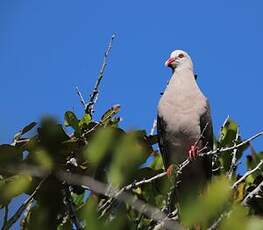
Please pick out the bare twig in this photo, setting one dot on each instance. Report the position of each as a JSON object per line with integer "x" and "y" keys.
{"x": 234, "y": 156}
{"x": 215, "y": 225}
{"x": 21, "y": 209}
{"x": 82, "y": 101}
{"x": 24, "y": 220}
{"x": 94, "y": 96}
{"x": 221, "y": 150}
{"x": 106, "y": 206}
{"x": 6, "y": 215}
{"x": 251, "y": 195}
{"x": 71, "y": 208}
{"x": 154, "y": 125}
{"x": 234, "y": 186}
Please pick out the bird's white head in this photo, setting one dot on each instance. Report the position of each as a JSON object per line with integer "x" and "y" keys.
{"x": 179, "y": 59}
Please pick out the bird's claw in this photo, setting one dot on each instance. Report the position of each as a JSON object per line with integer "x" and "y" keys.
{"x": 193, "y": 152}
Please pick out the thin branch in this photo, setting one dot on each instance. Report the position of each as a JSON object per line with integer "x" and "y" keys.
{"x": 24, "y": 221}
{"x": 154, "y": 125}
{"x": 251, "y": 195}
{"x": 108, "y": 204}
{"x": 21, "y": 209}
{"x": 82, "y": 101}
{"x": 71, "y": 208}
{"x": 215, "y": 225}
{"x": 234, "y": 186}
{"x": 234, "y": 156}
{"x": 221, "y": 150}
{"x": 6, "y": 215}
{"x": 94, "y": 96}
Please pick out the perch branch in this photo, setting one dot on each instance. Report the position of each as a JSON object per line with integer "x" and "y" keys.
{"x": 94, "y": 96}
{"x": 107, "y": 205}
{"x": 221, "y": 150}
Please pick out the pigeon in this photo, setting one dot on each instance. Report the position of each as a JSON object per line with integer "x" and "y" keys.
{"x": 184, "y": 126}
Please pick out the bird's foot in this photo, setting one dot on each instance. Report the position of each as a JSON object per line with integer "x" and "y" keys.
{"x": 170, "y": 170}
{"x": 193, "y": 152}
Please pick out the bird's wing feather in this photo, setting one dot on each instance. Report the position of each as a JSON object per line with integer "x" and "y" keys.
{"x": 207, "y": 137}
{"x": 161, "y": 127}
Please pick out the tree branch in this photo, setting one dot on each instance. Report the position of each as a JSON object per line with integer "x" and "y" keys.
{"x": 82, "y": 101}
{"x": 234, "y": 157}
{"x": 221, "y": 150}
{"x": 251, "y": 195}
{"x": 89, "y": 109}
{"x": 234, "y": 186}
{"x": 154, "y": 125}
{"x": 6, "y": 215}
{"x": 71, "y": 208}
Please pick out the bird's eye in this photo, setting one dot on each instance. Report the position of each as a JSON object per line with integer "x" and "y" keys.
{"x": 181, "y": 55}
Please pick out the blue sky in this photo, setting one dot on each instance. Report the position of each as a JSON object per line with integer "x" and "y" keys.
{"x": 49, "y": 47}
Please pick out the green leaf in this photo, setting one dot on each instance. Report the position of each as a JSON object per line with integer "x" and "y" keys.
{"x": 86, "y": 119}
{"x": 237, "y": 220}
{"x": 10, "y": 155}
{"x": 28, "y": 127}
{"x": 208, "y": 205}
{"x": 51, "y": 133}
{"x": 107, "y": 116}
{"x": 254, "y": 223}
{"x": 157, "y": 162}
{"x": 25, "y": 130}
{"x": 78, "y": 199}
{"x": 70, "y": 119}
{"x": 13, "y": 186}
{"x": 89, "y": 214}
{"x": 99, "y": 145}
{"x": 128, "y": 156}
{"x": 43, "y": 159}
{"x": 228, "y": 138}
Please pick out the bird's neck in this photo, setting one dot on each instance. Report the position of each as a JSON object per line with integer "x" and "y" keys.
{"x": 183, "y": 80}
{"x": 185, "y": 66}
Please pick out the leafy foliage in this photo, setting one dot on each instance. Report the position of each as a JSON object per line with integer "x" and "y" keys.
{"x": 107, "y": 153}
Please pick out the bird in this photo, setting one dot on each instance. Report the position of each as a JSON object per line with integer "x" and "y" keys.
{"x": 184, "y": 126}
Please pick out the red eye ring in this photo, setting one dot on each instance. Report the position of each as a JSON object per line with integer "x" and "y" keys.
{"x": 181, "y": 55}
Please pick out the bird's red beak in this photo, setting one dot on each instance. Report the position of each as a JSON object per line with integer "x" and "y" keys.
{"x": 169, "y": 62}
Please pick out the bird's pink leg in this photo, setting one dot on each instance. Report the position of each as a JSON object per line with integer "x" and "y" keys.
{"x": 193, "y": 152}
{"x": 170, "y": 170}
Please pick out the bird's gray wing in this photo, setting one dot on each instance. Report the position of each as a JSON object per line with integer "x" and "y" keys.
{"x": 161, "y": 127}
{"x": 206, "y": 127}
